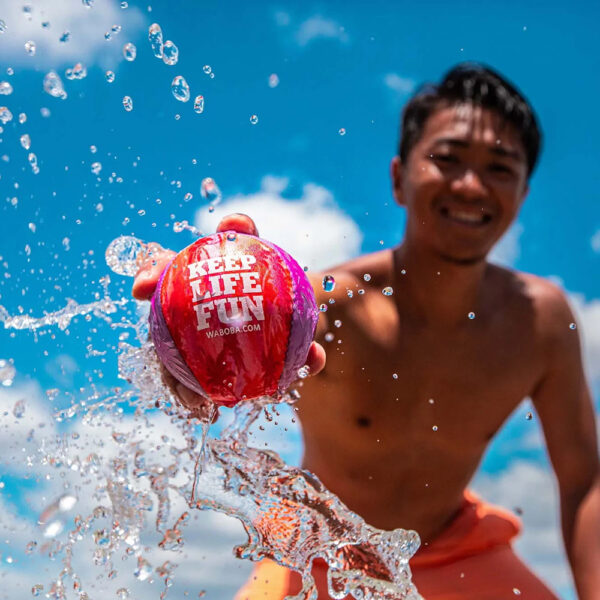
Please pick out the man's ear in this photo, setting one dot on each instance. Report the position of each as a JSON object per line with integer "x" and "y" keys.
{"x": 396, "y": 176}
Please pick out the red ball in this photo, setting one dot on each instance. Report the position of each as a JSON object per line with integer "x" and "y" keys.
{"x": 233, "y": 317}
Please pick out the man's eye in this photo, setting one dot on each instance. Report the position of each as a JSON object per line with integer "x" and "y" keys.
{"x": 445, "y": 158}
{"x": 500, "y": 168}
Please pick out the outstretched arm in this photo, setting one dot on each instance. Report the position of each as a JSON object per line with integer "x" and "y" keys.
{"x": 563, "y": 402}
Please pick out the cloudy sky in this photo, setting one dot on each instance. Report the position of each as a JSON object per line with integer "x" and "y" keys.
{"x": 325, "y": 83}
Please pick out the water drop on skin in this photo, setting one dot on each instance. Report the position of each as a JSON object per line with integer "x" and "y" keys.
{"x": 328, "y": 283}
{"x": 337, "y": 323}
{"x": 323, "y": 308}
{"x": 387, "y": 291}
{"x": 180, "y": 89}
{"x": 471, "y": 315}
{"x": 367, "y": 277}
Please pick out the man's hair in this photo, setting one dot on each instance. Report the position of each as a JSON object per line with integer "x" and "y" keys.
{"x": 472, "y": 83}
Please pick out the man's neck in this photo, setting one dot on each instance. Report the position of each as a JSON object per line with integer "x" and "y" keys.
{"x": 433, "y": 290}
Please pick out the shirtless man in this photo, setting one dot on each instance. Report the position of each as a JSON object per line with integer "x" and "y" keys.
{"x": 397, "y": 422}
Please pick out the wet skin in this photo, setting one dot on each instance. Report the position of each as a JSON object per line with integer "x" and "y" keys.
{"x": 400, "y": 451}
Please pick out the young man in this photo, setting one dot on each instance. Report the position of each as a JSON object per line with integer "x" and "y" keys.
{"x": 397, "y": 422}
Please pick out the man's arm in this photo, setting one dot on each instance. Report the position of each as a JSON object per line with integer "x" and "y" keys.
{"x": 564, "y": 405}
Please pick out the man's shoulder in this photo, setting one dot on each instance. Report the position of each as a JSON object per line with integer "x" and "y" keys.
{"x": 544, "y": 300}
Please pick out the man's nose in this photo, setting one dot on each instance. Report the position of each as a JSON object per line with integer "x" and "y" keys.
{"x": 469, "y": 185}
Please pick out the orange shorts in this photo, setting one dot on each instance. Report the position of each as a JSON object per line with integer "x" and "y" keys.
{"x": 471, "y": 560}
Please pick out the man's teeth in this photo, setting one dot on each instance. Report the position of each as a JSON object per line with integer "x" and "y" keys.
{"x": 467, "y": 217}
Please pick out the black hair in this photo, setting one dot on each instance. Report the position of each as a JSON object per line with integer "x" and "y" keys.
{"x": 476, "y": 84}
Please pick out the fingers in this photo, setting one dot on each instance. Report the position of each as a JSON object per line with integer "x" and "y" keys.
{"x": 239, "y": 223}
{"x": 198, "y": 406}
{"x": 150, "y": 271}
{"x": 316, "y": 358}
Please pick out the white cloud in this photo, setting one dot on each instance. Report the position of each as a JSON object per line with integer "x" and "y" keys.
{"x": 312, "y": 228}
{"x": 531, "y": 488}
{"x": 87, "y": 27}
{"x": 587, "y": 314}
{"x": 398, "y": 84}
{"x": 507, "y": 251}
{"x": 595, "y": 241}
{"x": 319, "y": 27}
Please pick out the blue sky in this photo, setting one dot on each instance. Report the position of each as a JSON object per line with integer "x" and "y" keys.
{"x": 321, "y": 195}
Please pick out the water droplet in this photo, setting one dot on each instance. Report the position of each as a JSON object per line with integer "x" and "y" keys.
{"x": 129, "y": 51}
{"x": 207, "y": 69}
{"x": 342, "y": 131}
{"x": 96, "y": 168}
{"x": 5, "y": 115}
{"x": 350, "y": 293}
{"x": 53, "y": 85}
{"x": 22, "y": 118}
{"x": 32, "y": 158}
{"x": 323, "y": 307}
{"x": 5, "y": 88}
{"x": 210, "y": 191}
{"x": 116, "y": 29}
{"x": 528, "y": 416}
{"x": 394, "y": 375}
{"x": 367, "y": 277}
{"x": 122, "y": 593}
{"x": 435, "y": 428}
{"x": 199, "y": 104}
{"x": 25, "y": 141}
{"x": 328, "y": 283}
{"x": 387, "y": 291}
{"x": 7, "y": 372}
{"x": 101, "y": 537}
{"x": 2, "y": 26}
{"x": 516, "y": 591}
{"x": 110, "y": 76}
{"x": 431, "y": 401}
{"x": 572, "y": 326}
{"x": 303, "y": 372}
{"x": 124, "y": 5}
{"x": 127, "y": 103}
{"x": 77, "y": 72}
{"x": 329, "y": 336}
{"x": 254, "y": 119}
{"x": 471, "y": 315}
{"x": 231, "y": 236}
{"x": 273, "y": 80}
{"x": 170, "y": 53}
{"x": 122, "y": 255}
{"x": 93, "y": 149}
{"x": 65, "y": 37}
{"x": 337, "y": 323}
{"x": 30, "y": 47}
{"x": 19, "y": 409}
{"x": 88, "y": 3}
{"x": 30, "y": 547}
{"x": 180, "y": 89}
{"x": 143, "y": 570}
{"x": 37, "y": 589}
{"x": 188, "y": 197}
{"x": 155, "y": 37}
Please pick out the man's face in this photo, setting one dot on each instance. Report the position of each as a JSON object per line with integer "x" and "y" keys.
{"x": 463, "y": 182}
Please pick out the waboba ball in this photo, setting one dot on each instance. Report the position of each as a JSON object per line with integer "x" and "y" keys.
{"x": 233, "y": 317}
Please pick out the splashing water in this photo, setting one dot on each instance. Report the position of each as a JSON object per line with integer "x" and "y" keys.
{"x": 129, "y": 52}
{"x": 180, "y": 89}
{"x": 155, "y": 37}
{"x": 138, "y": 472}
{"x": 170, "y": 53}
{"x": 53, "y": 85}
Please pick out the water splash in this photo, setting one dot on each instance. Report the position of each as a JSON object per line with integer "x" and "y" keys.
{"x": 155, "y": 37}
{"x": 180, "y": 89}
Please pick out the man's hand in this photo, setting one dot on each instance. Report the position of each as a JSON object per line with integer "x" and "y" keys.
{"x": 145, "y": 283}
